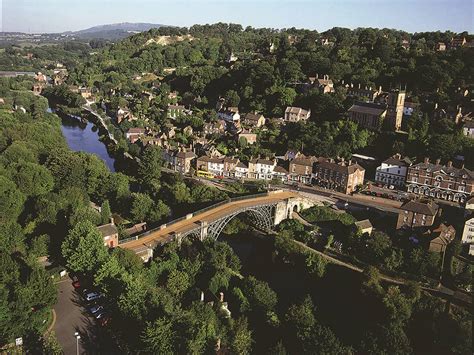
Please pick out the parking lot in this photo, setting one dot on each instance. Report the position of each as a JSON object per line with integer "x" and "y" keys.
{"x": 73, "y": 315}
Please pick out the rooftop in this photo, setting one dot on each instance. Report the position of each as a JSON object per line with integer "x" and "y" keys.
{"x": 340, "y": 168}
{"x": 108, "y": 229}
{"x": 427, "y": 208}
{"x": 368, "y": 108}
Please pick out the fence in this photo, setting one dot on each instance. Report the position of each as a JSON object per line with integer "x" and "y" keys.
{"x": 202, "y": 210}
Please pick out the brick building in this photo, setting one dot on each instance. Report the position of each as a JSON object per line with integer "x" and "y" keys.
{"x": 301, "y": 169}
{"x": 440, "y": 181}
{"x": 344, "y": 177}
{"x": 416, "y": 214}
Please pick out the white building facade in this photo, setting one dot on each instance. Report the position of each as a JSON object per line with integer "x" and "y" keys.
{"x": 393, "y": 171}
{"x": 468, "y": 232}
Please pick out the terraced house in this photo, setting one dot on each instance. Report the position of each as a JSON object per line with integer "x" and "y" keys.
{"x": 440, "y": 181}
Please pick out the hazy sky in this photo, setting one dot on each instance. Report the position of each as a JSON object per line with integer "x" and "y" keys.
{"x": 410, "y": 15}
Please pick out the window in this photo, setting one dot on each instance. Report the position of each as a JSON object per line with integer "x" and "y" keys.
{"x": 427, "y": 181}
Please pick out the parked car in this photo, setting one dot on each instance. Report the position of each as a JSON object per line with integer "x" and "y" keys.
{"x": 104, "y": 321}
{"x": 96, "y": 308}
{"x": 92, "y": 296}
{"x": 76, "y": 284}
{"x": 100, "y": 315}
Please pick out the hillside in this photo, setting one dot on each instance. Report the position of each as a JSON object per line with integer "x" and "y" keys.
{"x": 114, "y": 31}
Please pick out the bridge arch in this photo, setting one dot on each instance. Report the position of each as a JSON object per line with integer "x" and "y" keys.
{"x": 262, "y": 217}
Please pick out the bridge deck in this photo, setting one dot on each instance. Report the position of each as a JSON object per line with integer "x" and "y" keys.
{"x": 209, "y": 216}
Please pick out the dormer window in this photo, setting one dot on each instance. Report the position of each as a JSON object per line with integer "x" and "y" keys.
{"x": 464, "y": 176}
{"x": 452, "y": 174}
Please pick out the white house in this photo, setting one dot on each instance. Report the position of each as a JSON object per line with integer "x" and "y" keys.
{"x": 468, "y": 129}
{"x": 216, "y": 166}
{"x": 230, "y": 114}
{"x": 261, "y": 169}
{"x": 468, "y": 232}
{"x": 241, "y": 171}
{"x": 393, "y": 171}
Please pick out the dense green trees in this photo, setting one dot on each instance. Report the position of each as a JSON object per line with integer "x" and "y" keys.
{"x": 84, "y": 248}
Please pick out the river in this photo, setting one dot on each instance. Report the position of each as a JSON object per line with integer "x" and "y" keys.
{"x": 84, "y": 137}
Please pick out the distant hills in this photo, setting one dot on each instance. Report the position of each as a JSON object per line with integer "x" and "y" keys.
{"x": 113, "y": 31}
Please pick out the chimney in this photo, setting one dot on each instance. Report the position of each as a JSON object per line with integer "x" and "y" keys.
{"x": 449, "y": 164}
{"x": 112, "y": 221}
{"x": 436, "y": 106}
{"x": 316, "y": 75}
{"x": 222, "y": 296}
{"x": 380, "y": 88}
{"x": 398, "y": 156}
{"x": 202, "y": 296}
{"x": 426, "y": 160}
{"x": 438, "y": 161}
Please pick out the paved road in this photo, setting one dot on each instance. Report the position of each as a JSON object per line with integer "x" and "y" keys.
{"x": 71, "y": 317}
{"x": 362, "y": 200}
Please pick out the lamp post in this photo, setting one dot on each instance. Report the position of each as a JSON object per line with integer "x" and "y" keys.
{"x": 76, "y": 334}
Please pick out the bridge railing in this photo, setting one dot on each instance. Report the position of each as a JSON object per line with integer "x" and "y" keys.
{"x": 202, "y": 210}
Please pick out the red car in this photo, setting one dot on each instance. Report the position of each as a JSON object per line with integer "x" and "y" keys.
{"x": 76, "y": 284}
{"x": 104, "y": 321}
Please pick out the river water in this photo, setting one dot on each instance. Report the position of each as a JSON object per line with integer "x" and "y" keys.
{"x": 84, "y": 137}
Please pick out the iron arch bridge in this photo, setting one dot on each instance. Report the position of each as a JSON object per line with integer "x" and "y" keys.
{"x": 261, "y": 216}
{"x": 265, "y": 211}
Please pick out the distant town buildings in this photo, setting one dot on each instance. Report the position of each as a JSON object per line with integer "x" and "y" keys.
{"x": 254, "y": 120}
{"x": 468, "y": 129}
{"x": 386, "y": 112}
{"x": 135, "y": 133}
{"x": 229, "y": 114}
{"x": 296, "y": 114}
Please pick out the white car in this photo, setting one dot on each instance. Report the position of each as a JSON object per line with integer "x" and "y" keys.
{"x": 93, "y": 296}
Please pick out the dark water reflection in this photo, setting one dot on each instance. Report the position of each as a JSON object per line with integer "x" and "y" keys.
{"x": 84, "y": 137}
